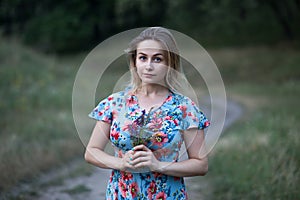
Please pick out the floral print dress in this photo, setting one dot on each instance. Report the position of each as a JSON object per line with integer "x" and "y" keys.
{"x": 160, "y": 130}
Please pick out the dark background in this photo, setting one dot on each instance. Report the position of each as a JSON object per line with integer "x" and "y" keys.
{"x": 76, "y": 25}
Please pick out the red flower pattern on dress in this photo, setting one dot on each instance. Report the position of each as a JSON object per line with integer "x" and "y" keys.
{"x": 176, "y": 122}
{"x": 115, "y": 134}
{"x": 168, "y": 118}
{"x": 106, "y": 107}
{"x": 134, "y": 189}
{"x": 106, "y": 119}
{"x": 110, "y": 98}
{"x": 161, "y": 196}
{"x": 183, "y": 109}
{"x": 159, "y": 139}
{"x": 100, "y": 113}
{"x": 126, "y": 176}
{"x": 155, "y": 124}
{"x": 131, "y": 100}
{"x": 115, "y": 195}
{"x": 111, "y": 176}
{"x": 122, "y": 186}
{"x": 151, "y": 190}
{"x": 170, "y": 97}
{"x": 206, "y": 124}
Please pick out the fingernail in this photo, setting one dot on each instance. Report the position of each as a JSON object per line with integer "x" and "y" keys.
{"x": 132, "y": 149}
{"x": 130, "y": 158}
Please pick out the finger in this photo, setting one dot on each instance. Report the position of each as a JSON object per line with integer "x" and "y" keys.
{"x": 139, "y": 160}
{"x": 127, "y": 159}
{"x": 129, "y": 165}
{"x": 139, "y": 154}
{"x": 128, "y": 154}
{"x": 140, "y": 148}
{"x": 142, "y": 164}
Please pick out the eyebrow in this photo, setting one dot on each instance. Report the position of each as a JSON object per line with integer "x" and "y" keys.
{"x": 157, "y": 54}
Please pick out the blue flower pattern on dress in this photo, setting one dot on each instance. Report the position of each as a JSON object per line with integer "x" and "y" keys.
{"x": 176, "y": 114}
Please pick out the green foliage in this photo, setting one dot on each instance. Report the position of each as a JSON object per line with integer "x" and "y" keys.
{"x": 228, "y": 22}
{"x": 66, "y": 26}
{"x": 259, "y": 157}
{"x": 277, "y": 64}
{"x": 136, "y": 13}
{"x": 54, "y": 33}
{"x": 37, "y": 129}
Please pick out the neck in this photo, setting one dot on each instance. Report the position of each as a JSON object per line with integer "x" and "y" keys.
{"x": 150, "y": 89}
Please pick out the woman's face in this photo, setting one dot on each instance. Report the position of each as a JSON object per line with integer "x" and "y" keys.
{"x": 151, "y": 62}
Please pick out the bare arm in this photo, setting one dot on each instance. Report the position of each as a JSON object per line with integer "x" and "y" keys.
{"x": 196, "y": 165}
{"x": 197, "y": 162}
{"x": 95, "y": 154}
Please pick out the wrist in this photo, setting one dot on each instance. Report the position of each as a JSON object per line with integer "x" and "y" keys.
{"x": 120, "y": 165}
{"x": 160, "y": 168}
{"x": 117, "y": 164}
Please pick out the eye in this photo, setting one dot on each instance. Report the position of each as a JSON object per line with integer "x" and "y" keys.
{"x": 142, "y": 58}
{"x": 157, "y": 59}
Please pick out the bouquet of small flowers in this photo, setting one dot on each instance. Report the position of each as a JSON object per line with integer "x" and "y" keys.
{"x": 146, "y": 132}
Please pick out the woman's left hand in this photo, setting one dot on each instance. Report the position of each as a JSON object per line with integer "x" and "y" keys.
{"x": 144, "y": 157}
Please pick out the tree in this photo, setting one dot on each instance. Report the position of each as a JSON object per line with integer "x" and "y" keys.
{"x": 287, "y": 14}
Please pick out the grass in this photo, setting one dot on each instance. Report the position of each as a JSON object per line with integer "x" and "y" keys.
{"x": 259, "y": 157}
{"x": 256, "y": 158}
{"x": 37, "y": 128}
{"x": 259, "y": 64}
{"x": 37, "y": 131}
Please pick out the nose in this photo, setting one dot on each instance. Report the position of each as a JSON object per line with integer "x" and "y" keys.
{"x": 149, "y": 66}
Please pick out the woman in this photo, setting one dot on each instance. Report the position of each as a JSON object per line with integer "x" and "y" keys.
{"x": 147, "y": 123}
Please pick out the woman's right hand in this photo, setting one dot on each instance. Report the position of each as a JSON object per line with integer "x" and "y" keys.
{"x": 126, "y": 161}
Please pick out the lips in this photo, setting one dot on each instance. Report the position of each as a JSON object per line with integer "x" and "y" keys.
{"x": 148, "y": 75}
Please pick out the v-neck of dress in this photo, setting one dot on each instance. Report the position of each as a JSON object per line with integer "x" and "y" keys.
{"x": 152, "y": 109}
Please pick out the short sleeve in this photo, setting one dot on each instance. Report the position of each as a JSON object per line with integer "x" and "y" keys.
{"x": 192, "y": 116}
{"x": 103, "y": 111}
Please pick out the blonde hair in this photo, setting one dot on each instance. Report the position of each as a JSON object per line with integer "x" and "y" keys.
{"x": 166, "y": 39}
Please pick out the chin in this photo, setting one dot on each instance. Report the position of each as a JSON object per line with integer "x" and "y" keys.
{"x": 149, "y": 81}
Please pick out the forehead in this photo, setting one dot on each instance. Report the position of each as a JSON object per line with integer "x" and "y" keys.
{"x": 150, "y": 45}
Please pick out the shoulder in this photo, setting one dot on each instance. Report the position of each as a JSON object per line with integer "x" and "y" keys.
{"x": 116, "y": 97}
{"x": 182, "y": 100}
{"x": 121, "y": 94}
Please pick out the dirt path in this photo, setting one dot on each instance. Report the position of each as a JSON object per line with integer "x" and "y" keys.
{"x": 60, "y": 185}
